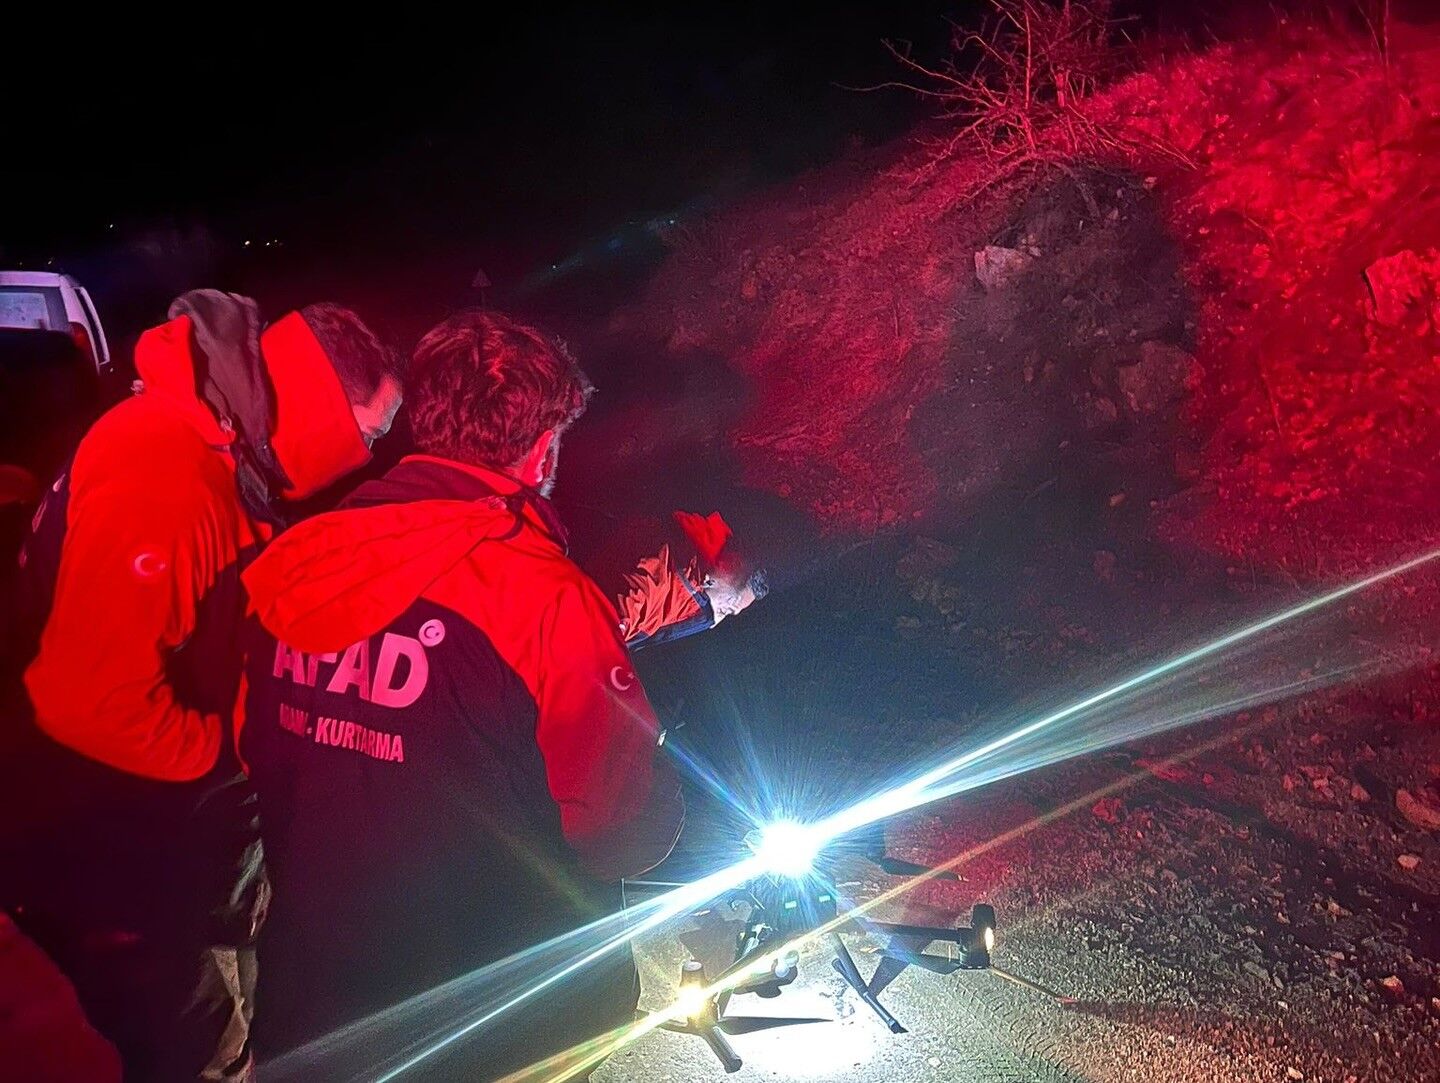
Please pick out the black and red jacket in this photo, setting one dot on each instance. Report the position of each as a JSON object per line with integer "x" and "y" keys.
{"x": 454, "y": 758}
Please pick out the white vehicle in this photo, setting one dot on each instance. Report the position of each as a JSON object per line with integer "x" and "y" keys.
{"x": 40, "y": 301}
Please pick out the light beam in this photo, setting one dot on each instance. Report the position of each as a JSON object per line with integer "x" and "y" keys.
{"x": 1043, "y": 740}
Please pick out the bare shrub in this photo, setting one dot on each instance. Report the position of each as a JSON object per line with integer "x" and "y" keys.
{"x": 1020, "y": 89}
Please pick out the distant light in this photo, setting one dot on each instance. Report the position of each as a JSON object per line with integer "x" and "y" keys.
{"x": 786, "y": 849}
{"x": 247, "y": 244}
{"x": 110, "y": 226}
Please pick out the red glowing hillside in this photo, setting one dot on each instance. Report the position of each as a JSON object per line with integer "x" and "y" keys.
{"x": 1204, "y": 290}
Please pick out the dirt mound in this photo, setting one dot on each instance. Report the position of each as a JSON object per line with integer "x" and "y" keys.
{"x": 1315, "y": 444}
{"x": 888, "y": 382}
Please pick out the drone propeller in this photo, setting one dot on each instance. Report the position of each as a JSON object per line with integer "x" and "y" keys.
{"x": 745, "y": 1024}
{"x": 899, "y": 867}
{"x": 936, "y": 964}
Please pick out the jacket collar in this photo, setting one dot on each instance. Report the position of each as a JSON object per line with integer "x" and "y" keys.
{"x": 432, "y": 477}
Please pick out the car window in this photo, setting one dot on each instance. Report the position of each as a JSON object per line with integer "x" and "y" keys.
{"x": 33, "y": 308}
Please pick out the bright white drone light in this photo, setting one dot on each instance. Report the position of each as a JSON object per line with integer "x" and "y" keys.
{"x": 691, "y": 1002}
{"x": 785, "y": 848}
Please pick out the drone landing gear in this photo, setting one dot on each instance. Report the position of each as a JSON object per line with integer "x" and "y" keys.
{"x": 785, "y": 908}
{"x": 707, "y": 1027}
{"x": 705, "y": 1016}
{"x": 844, "y": 964}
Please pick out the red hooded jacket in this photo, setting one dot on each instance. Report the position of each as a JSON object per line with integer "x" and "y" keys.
{"x": 132, "y": 572}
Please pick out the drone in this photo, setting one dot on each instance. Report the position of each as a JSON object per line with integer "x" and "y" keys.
{"x": 793, "y": 897}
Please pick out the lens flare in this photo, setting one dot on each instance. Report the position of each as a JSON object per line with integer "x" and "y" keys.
{"x": 691, "y": 1002}
{"x": 785, "y": 848}
{"x": 1164, "y": 696}
{"x": 955, "y": 775}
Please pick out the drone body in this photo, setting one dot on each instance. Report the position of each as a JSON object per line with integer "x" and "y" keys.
{"x": 793, "y": 901}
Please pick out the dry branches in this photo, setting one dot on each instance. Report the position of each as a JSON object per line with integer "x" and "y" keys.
{"x": 1020, "y": 89}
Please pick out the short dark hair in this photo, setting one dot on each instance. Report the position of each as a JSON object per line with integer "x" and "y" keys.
{"x": 487, "y": 386}
{"x": 361, "y": 360}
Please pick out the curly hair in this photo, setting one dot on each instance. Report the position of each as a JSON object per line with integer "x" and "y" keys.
{"x": 360, "y": 359}
{"x": 485, "y": 387}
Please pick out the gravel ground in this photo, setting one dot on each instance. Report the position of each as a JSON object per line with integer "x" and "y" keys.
{"x": 1240, "y": 900}
{"x": 1196, "y": 943}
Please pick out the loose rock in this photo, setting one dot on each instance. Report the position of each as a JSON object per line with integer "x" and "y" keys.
{"x": 997, "y": 267}
{"x": 1417, "y": 810}
{"x": 1156, "y": 379}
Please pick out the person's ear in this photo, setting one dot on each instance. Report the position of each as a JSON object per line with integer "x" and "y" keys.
{"x": 534, "y": 467}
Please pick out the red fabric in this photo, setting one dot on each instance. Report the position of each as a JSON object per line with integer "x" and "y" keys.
{"x": 44, "y": 1035}
{"x": 344, "y": 576}
{"x": 709, "y": 534}
{"x": 657, "y": 595}
{"x": 315, "y": 435}
{"x": 153, "y": 520}
{"x": 165, "y": 362}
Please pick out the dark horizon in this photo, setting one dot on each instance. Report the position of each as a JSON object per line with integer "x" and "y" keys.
{"x": 568, "y": 125}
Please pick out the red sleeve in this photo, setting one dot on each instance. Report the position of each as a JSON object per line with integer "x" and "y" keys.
{"x": 240, "y": 697}
{"x": 657, "y": 595}
{"x": 138, "y": 555}
{"x": 620, "y": 803}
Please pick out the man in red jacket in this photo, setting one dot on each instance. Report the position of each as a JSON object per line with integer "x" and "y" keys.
{"x": 696, "y": 580}
{"x": 130, "y": 849}
{"x": 454, "y": 758}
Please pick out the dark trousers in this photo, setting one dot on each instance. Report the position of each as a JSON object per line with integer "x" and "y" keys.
{"x": 175, "y": 1007}
{"x": 561, "y": 1021}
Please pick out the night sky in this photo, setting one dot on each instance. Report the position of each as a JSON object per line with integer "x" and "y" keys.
{"x": 434, "y": 146}
{"x": 387, "y": 157}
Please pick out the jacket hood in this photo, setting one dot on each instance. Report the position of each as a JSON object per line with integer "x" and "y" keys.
{"x": 165, "y": 363}
{"x": 344, "y": 575}
{"x": 271, "y": 395}
{"x": 313, "y": 430}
